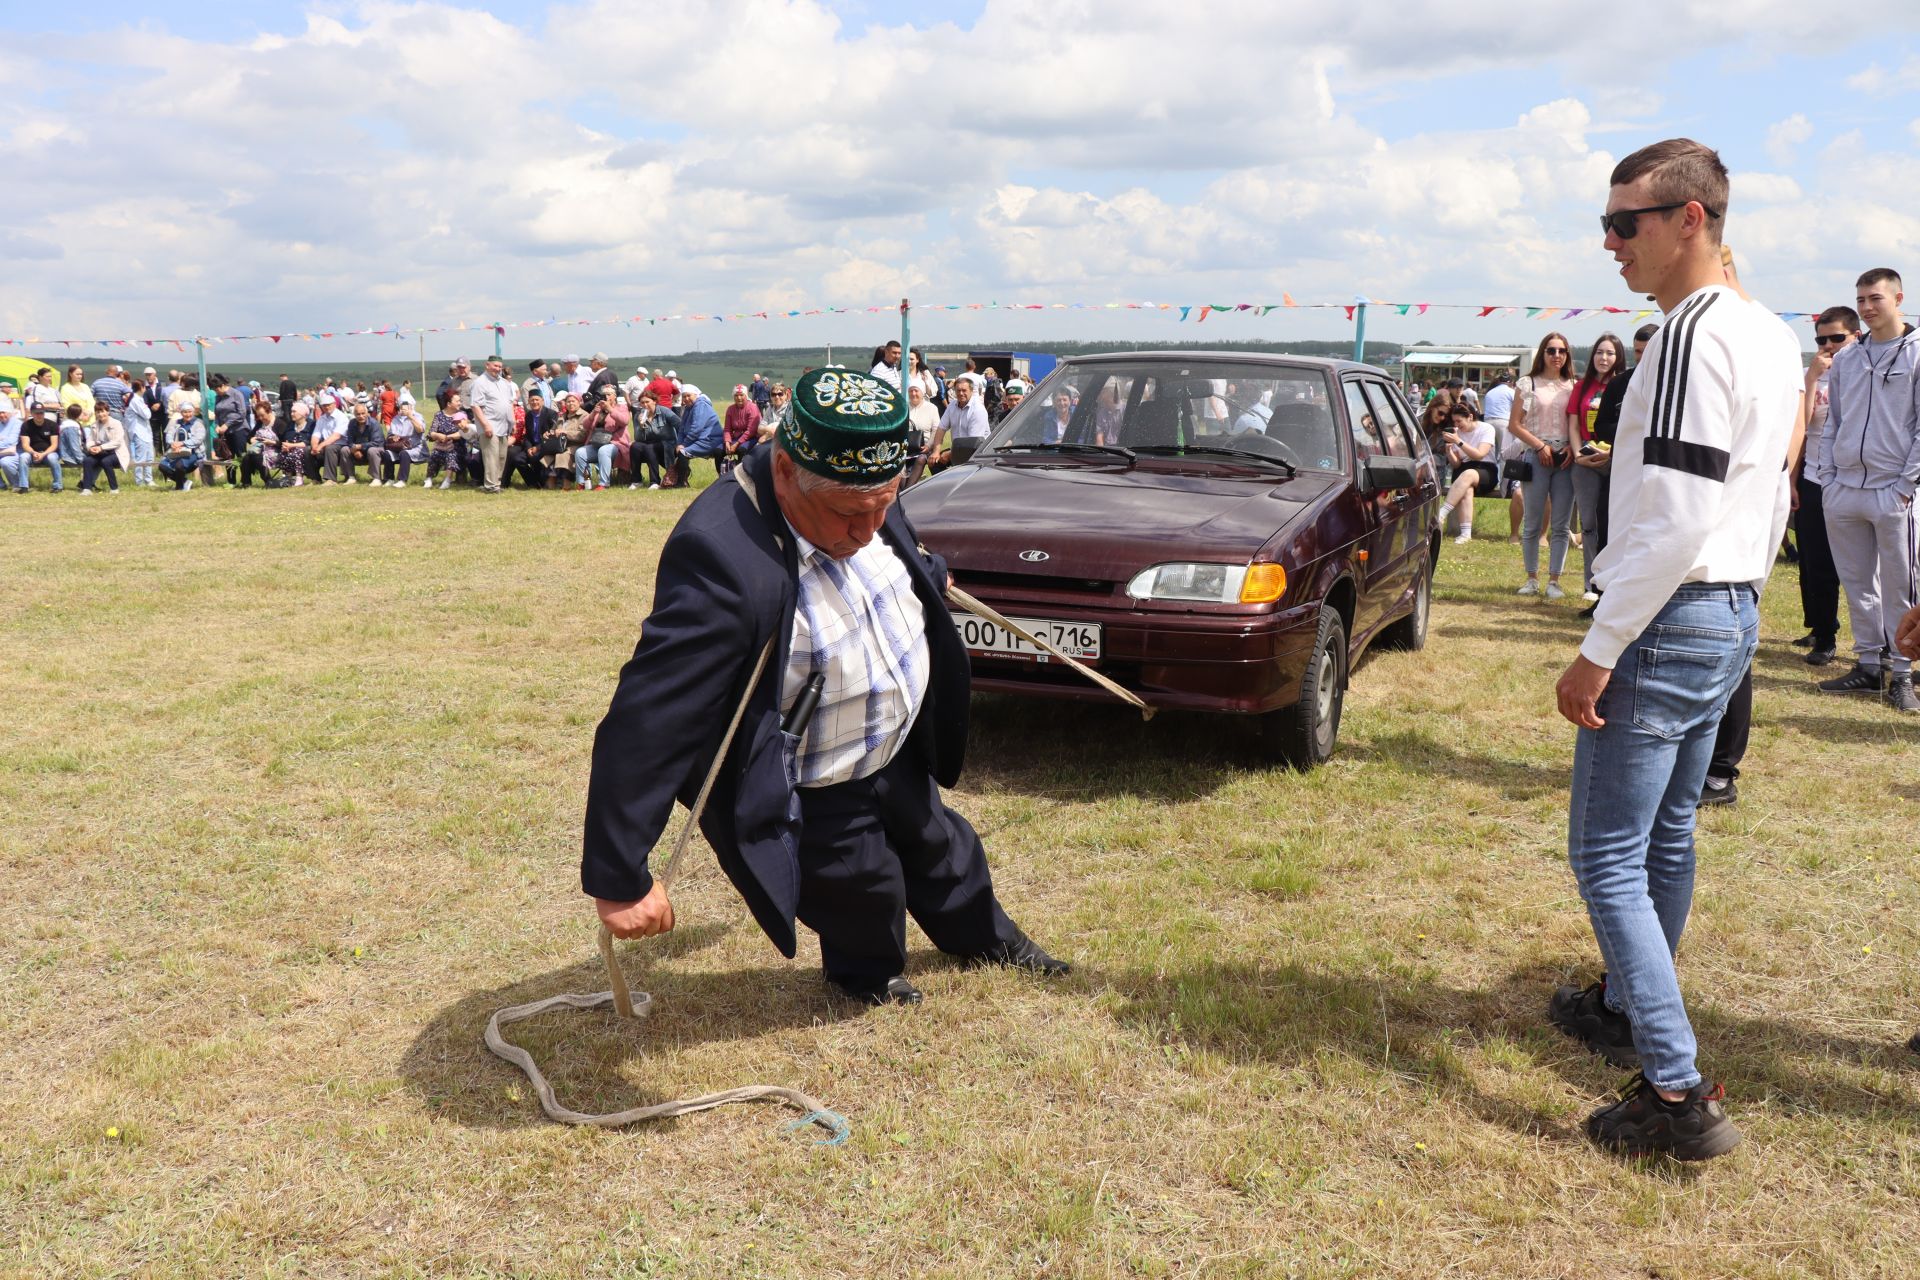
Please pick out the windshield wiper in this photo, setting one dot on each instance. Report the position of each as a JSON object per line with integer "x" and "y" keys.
{"x": 1242, "y": 454}
{"x": 1066, "y": 446}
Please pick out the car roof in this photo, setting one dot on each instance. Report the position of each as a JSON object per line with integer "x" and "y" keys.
{"x": 1235, "y": 357}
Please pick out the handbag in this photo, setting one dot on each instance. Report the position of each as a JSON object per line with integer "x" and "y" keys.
{"x": 1517, "y": 470}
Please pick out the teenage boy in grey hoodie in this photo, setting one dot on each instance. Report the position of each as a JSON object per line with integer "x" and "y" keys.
{"x": 1868, "y": 467}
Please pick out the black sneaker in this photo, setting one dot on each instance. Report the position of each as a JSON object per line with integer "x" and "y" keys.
{"x": 1900, "y": 694}
{"x": 1583, "y": 1014}
{"x": 1858, "y": 680}
{"x": 1805, "y": 642}
{"x": 1643, "y": 1123}
{"x": 1022, "y": 953}
{"x": 1718, "y": 791}
{"x": 1820, "y": 655}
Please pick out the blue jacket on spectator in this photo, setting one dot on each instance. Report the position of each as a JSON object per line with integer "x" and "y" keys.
{"x": 700, "y": 432}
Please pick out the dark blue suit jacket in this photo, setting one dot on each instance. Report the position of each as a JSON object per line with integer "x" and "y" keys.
{"x": 726, "y": 584}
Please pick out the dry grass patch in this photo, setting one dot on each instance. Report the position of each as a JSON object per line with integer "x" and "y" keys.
{"x": 292, "y": 804}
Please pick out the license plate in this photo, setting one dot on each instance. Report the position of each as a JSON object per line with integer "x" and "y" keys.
{"x": 1081, "y": 639}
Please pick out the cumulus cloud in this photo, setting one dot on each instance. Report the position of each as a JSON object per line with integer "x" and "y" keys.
{"x": 1884, "y": 82}
{"x": 1784, "y": 138}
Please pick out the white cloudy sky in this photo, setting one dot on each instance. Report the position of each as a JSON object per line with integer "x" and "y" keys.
{"x": 268, "y": 166}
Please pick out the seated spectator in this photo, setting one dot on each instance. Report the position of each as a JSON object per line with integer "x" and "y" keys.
{"x": 329, "y": 443}
{"x": 287, "y": 459}
{"x": 701, "y": 435}
{"x": 523, "y": 452}
{"x": 1014, "y": 392}
{"x": 100, "y": 444}
{"x": 406, "y": 436}
{"x": 606, "y": 430}
{"x": 741, "y": 432}
{"x": 557, "y": 445}
{"x": 779, "y": 411}
{"x": 44, "y": 416}
{"x": 1469, "y": 445}
{"x": 263, "y": 431}
{"x": 365, "y": 441}
{"x": 447, "y": 442}
{"x": 654, "y": 438}
{"x": 186, "y": 449}
{"x": 13, "y": 457}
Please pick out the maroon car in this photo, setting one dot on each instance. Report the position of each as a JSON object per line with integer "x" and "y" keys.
{"x": 1218, "y": 532}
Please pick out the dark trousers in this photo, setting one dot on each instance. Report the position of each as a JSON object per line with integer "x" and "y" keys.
{"x": 1819, "y": 580}
{"x": 525, "y": 463}
{"x": 94, "y": 463}
{"x": 1597, "y": 536}
{"x": 651, "y": 454}
{"x": 873, "y": 851}
{"x": 395, "y": 460}
{"x": 1730, "y": 743}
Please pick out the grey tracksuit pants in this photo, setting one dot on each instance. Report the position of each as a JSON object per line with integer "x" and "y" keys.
{"x": 1872, "y": 533}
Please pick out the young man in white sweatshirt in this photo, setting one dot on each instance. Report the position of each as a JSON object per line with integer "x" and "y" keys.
{"x": 1867, "y": 471}
{"x": 1699, "y": 503}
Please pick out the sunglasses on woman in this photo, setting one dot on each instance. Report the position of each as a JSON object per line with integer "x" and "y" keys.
{"x": 1625, "y": 223}
{"x": 1556, "y": 351}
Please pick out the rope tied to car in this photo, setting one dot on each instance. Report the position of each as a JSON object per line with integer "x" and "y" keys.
{"x": 639, "y": 1004}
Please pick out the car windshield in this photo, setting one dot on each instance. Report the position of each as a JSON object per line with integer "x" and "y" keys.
{"x": 1158, "y": 405}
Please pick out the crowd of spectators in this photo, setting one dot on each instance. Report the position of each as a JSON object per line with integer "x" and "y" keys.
{"x": 567, "y": 424}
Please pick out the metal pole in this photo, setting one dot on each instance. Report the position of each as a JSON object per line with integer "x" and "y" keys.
{"x": 498, "y": 330}
{"x": 906, "y": 344}
{"x": 1360, "y": 333}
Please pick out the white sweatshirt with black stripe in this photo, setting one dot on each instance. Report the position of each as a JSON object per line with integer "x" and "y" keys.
{"x": 1872, "y": 440}
{"x": 1699, "y": 490}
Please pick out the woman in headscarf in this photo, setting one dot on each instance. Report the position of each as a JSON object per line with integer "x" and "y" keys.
{"x": 741, "y": 432}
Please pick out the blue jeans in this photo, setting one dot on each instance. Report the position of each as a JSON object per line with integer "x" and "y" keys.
{"x": 52, "y": 463}
{"x": 13, "y": 471}
{"x": 71, "y": 450}
{"x": 1549, "y": 484}
{"x": 600, "y": 456}
{"x": 1636, "y": 783}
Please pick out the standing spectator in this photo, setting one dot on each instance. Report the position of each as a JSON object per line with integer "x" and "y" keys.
{"x": 154, "y": 392}
{"x": 1699, "y": 505}
{"x": 886, "y": 365}
{"x": 741, "y": 431}
{"x": 328, "y": 440}
{"x": 919, "y": 375}
{"x": 599, "y": 377}
{"x": 100, "y": 444}
{"x": 138, "y": 420}
{"x": 446, "y": 442}
{"x": 575, "y": 377}
{"x": 1011, "y": 396}
{"x": 1606, "y": 361}
{"x": 991, "y": 390}
{"x": 523, "y": 454}
{"x": 13, "y": 457}
{"x": 1869, "y": 468}
{"x": 232, "y": 425}
{"x": 655, "y": 433}
{"x": 405, "y": 397}
{"x": 701, "y": 435}
{"x": 630, "y": 389}
{"x": 940, "y": 388}
{"x": 113, "y": 390}
{"x": 1606, "y": 427}
{"x": 74, "y": 392}
{"x": 389, "y": 403}
{"x": 1540, "y": 421}
{"x": 492, "y": 405}
{"x": 760, "y": 392}
{"x": 537, "y": 380}
{"x": 1510, "y": 451}
{"x": 965, "y": 419}
{"x": 666, "y": 392}
{"x": 1836, "y": 329}
{"x": 1469, "y": 449}
{"x": 186, "y": 445}
{"x": 288, "y": 394}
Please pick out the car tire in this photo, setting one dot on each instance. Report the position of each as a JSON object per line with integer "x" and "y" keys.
{"x": 1303, "y": 735}
{"x": 1410, "y": 632}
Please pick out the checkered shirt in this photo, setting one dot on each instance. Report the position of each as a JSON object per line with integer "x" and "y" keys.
{"x": 859, "y": 622}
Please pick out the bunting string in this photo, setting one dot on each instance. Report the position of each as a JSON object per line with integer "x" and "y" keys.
{"x": 1197, "y": 313}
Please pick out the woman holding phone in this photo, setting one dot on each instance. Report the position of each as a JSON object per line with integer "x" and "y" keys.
{"x": 1541, "y": 424}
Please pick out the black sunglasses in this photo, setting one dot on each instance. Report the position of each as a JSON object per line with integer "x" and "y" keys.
{"x": 1554, "y": 351}
{"x": 1625, "y": 223}
{"x": 1837, "y": 339}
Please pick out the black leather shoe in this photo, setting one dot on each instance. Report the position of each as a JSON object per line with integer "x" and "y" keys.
{"x": 1804, "y": 642}
{"x": 1022, "y": 953}
{"x": 896, "y": 991}
{"x": 1820, "y": 655}
{"x": 1718, "y": 791}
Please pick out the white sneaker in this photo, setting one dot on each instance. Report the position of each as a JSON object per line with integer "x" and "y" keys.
{"x": 633, "y": 486}
{"x": 1589, "y": 596}
{"x": 86, "y": 493}
{"x": 1554, "y": 592}
{"x": 186, "y": 487}
{"x": 653, "y": 486}
{"x": 1532, "y": 588}
{"x": 447, "y": 483}
{"x": 349, "y": 480}
{"x": 1466, "y": 535}
{"x": 426, "y": 484}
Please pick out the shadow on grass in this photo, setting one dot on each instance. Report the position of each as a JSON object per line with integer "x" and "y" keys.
{"x": 1290, "y": 1015}
{"x": 1512, "y": 779}
{"x": 1882, "y": 732}
{"x": 589, "y": 1056}
{"x": 1076, "y": 750}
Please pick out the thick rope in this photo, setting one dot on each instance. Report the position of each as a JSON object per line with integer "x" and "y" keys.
{"x": 639, "y": 1004}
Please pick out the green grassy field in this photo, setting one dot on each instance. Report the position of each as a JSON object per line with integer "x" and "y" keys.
{"x": 291, "y": 803}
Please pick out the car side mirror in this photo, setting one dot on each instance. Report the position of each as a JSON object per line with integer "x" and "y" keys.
{"x": 1386, "y": 473}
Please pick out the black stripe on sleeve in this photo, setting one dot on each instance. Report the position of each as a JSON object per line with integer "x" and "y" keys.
{"x": 1667, "y": 420}
{"x": 1669, "y": 341}
{"x": 1683, "y": 455}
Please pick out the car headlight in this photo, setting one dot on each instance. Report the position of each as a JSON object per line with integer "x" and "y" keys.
{"x": 1210, "y": 583}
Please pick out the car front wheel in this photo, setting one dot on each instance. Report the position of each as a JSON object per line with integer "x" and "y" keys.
{"x": 1303, "y": 735}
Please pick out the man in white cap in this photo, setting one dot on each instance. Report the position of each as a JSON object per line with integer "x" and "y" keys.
{"x": 576, "y": 377}
{"x": 603, "y": 377}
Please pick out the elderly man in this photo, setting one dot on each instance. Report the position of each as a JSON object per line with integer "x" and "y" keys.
{"x": 13, "y": 459}
{"x": 575, "y": 378}
{"x": 537, "y": 379}
{"x": 327, "y": 442}
{"x": 600, "y": 377}
{"x": 801, "y": 561}
{"x": 491, "y": 401}
{"x": 965, "y": 419}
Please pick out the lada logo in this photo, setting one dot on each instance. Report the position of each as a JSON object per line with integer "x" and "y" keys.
{"x": 1034, "y": 557}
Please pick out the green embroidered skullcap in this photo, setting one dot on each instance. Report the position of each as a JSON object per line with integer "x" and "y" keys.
{"x": 847, "y": 426}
